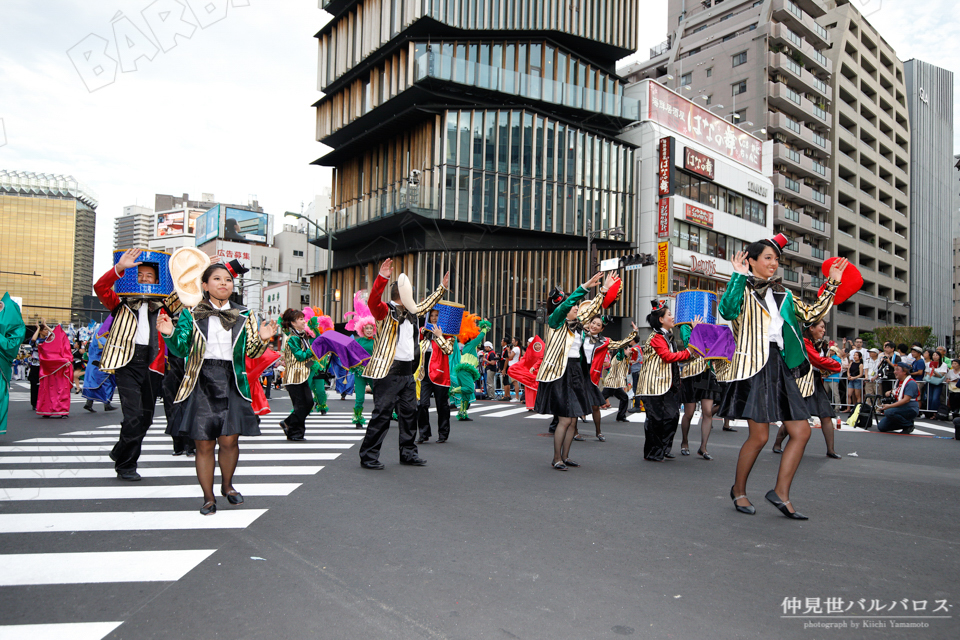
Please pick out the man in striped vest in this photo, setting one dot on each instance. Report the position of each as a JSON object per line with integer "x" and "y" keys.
{"x": 135, "y": 353}
{"x": 391, "y": 366}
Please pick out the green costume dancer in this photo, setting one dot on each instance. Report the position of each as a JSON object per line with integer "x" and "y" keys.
{"x": 464, "y": 365}
{"x": 318, "y": 383}
{"x": 12, "y": 332}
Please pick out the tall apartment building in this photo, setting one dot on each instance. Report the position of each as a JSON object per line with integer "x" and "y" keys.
{"x": 134, "y": 228}
{"x": 46, "y": 243}
{"x": 932, "y": 194}
{"x": 771, "y": 67}
{"x": 871, "y": 164}
{"x": 477, "y": 136}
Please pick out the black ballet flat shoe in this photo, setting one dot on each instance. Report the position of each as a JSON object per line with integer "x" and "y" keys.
{"x": 376, "y": 465}
{"x": 703, "y": 454}
{"x": 780, "y": 504}
{"x": 559, "y": 466}
{"x": 835, "y": 456}
{"x": 729, "y": 429}
{"x": 422, "y": 440}
{"x": 233, "y": 497}
{"x": 684, "y": 451}
{"x": 749, "y": 509}
{"x": 296, "y": 438}
{"x": 130, "y": 476}
{"x": 776, "y": 450}
{"x": 441, "y": 440}
{"x": 669, "y": 456}
{"x": 414, "y": 462}
{"x": 179, "y": 453}
{"x": 571, "y": 463}
{"x": 209, "y": 508}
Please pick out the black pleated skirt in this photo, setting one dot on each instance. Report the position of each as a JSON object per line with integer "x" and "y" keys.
{"x": 818, "y": 404}
{"x": 703, "y": 386}
{"x": 570, "y": 396}
{"x": 215, "y": 408}
{"x": 772, "y": 395}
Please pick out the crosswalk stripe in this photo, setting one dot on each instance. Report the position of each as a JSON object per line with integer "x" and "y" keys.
{"x": 508, "y": 412}
{"x": 95, "y": 567}
{"x": 72, "y": 630}
{"x": 113, "y": 433}
{"x": 252, "y": 440}
{"x": 151, "y": 472}
{"x": 935, "y": 427}
{"x": 247, "y": 457}
{"x": 137, "y": 492}
{"x": 126, "y": 521}
{"x": 164, "y": 447}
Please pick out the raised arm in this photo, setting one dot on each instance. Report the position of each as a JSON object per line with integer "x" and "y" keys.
{"x": 178, "y": 341}
{"x": 662, "y": 349}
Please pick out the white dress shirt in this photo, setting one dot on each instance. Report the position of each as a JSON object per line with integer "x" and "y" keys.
{"x": 219, "y": 340}
{"x": 775, "y": 334}
{"x": 142, "y": 336}
{"x": 575, "y": 347}
{"x": 405, "y": 341}
{"x": 588, "y": 348}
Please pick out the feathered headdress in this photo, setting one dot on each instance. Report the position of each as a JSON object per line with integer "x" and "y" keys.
{"x": 361, "y": 316}
{"x": 468, "y": 328}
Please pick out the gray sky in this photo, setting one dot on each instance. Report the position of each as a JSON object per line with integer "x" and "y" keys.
{"x": 227, "y": 110}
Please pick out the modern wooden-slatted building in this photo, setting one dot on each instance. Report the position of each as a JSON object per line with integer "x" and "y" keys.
{"x": 477, "y": 136}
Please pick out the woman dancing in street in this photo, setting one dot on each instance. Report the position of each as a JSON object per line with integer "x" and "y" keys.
{"x": 698, "y": 383}
{"x": 766, "y": 327}
{"x": 213, "y": 338}
{"x": 297, "y": 358}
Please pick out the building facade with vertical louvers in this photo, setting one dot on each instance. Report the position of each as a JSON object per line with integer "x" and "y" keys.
{"x": 478, "y": 137}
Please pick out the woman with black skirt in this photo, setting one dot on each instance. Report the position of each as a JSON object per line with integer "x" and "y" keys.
{"x": 659, "y": 384}
{"x": 698, "y": 383}
{"x": 297, "y": 358}
{"x": 812, "y": 388}
{"x": 213, "y": 338}
{"x": 563, "y": 389}
{"x": 769, "y": 358}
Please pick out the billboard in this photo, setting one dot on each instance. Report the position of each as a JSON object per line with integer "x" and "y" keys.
{"x": 228, "y": 251}
{"x": 663, "y": 268}
{"x": 208, "y": 225}
{"x": 241, "y": 225}
{"x": 177, "y": 222}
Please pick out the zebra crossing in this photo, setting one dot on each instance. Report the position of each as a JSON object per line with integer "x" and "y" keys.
{"x": 55, "y": 489}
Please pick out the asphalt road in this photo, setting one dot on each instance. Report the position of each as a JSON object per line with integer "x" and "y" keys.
{"x": 487, "y": 541}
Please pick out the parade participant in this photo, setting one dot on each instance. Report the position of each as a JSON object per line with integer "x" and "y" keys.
{"x": 391, "y": 365}
{"x": 814, "y": 392}
{"x": 255, "y": 368}
{"x": 593, "y": 354}
{"x": 659, "y": 383}
{"x": 362, "y": 322}
{"x": 342, "y": 378}
{"x": 698, "y": 383}
{"x": 899, "y": 415}
{"x": 433, "y": 379}
{"x": 614, "y": 381}
{"x": 134, "y": 352}
{"x": 465, "y": 365}
{"x": 319, "y": 367}
{"x": 765, "y": 321}
{"x": 56, "y": 373}
{"x": 213, "y": 338}
{"x": 182, "y": 445}
{"x": 525, "y": 371}
{"x": 12, "y": 332}
{"x": 98, "y": 385}
{"x": 298, "y": 361}
{"x": 562, "y": 387}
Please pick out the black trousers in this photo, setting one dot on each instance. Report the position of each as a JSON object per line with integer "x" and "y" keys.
{"x": 442, "y": 396}
{"x": 660, "y": 426}
{"x": 302, "y": 399}
{"x": 170, "y": 386}
{"x": 395, "y": 390}
{"x": 34, "y": 377}
{"x": 621, "y": 395}
{"x": 138, "y": 388}
{"x": 266, "y": 387}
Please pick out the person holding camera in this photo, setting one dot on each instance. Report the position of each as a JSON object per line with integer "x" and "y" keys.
{"x": 900, "y": 414}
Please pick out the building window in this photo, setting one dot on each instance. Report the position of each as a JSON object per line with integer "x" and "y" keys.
{"x": 710, "y": 72}
{"x": 740, "y": 116}
{"x": 686, "y": 79}
{"x": 709, "y": 99}
{"x": 739, "y": 87}
{"x": 740, "y": 58}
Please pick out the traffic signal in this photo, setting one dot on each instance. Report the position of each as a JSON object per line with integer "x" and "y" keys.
{"x": 635, "y": 261}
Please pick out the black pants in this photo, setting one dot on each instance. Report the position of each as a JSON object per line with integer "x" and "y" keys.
{"x": 170, "y": 386}
{"x": 34, "y": 378}
{"x": 139, "y": 388}
{"x": 660, "y": 426}
{"x": 442, "y": 396}
{"x": 266, "y": 387}
{"x": 302, "y": 399}
{"x": 395, "y": 390}
{"x": 621, "y": 395}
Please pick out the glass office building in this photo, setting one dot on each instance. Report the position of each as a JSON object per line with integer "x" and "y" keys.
{"x": 478, "y": 137}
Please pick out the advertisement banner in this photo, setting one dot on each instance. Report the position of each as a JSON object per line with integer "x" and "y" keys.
{"x": 699, "y": 216}
{"x": 698, "y": 163}
{"x": 666, "y": 172}
{"x": 663, "y": 218}
{"x": 241, "y": 225}
{"x": 208, "y": 225}
{"x": 663, "y": 268}
{"x": 228, "y": 251}
{"x": 690, "y": 120}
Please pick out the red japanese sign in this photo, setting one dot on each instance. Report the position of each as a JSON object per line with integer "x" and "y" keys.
{"x": 665, "y": 168}
{"x": 698, "y": 215}
{"x": 698, "y": 163}
{"x": 663, "y": 218}
{"x": 690, "y": 120}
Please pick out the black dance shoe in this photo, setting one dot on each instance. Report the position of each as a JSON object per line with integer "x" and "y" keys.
{"x": 749, "y": 509}
{"x": 415, "y": 461}
{"x": 669, "y": 456}
{"x": 233, "y": 497}
{"x": 441, "y": 440}
{"x": 131, "y": 476}
{"x": 780, "y": 504}
{"x": 209, "y": 508}
{"x": 89, "y": 407}
{"x": 109, "y": 407}
{"x": 703, "y": 454}
{"x": 835, "y": 456}
{"x": 283, "y": 425}
{"x": 375, "y": 465}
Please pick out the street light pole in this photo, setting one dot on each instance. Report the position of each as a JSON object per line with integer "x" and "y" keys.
{"x": 330, "y": 239}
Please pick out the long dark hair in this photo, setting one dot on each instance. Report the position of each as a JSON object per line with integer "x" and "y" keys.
{"x": 208, "y": 272}
{"x": 289, "y": 317}
{"x": 806, "y": 330}
{"x": 654, "y": 317}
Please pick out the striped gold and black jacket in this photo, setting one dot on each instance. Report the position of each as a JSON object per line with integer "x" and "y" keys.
{"x": 616, "y": 376}
{"x": 659, "y": 373}
{"x": 189, "y": 341}
{"x": 560, "y": 336}
{"x": 297, "y": 359}
{"x": 388, "y": 323}
{"x": 750, "y": 322}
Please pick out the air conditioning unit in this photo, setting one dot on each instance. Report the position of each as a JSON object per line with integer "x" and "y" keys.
{"x": 779, "y": 197}
{"x": 779, "y": 137}
{"x": 780, "y": 78}
{"x": 781, "y": 168}
{"x": 809, "y": 182}
{"x": 808, "y": 153}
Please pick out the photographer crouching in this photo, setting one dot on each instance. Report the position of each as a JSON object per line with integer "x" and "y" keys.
{"x": 900, "y": 414}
